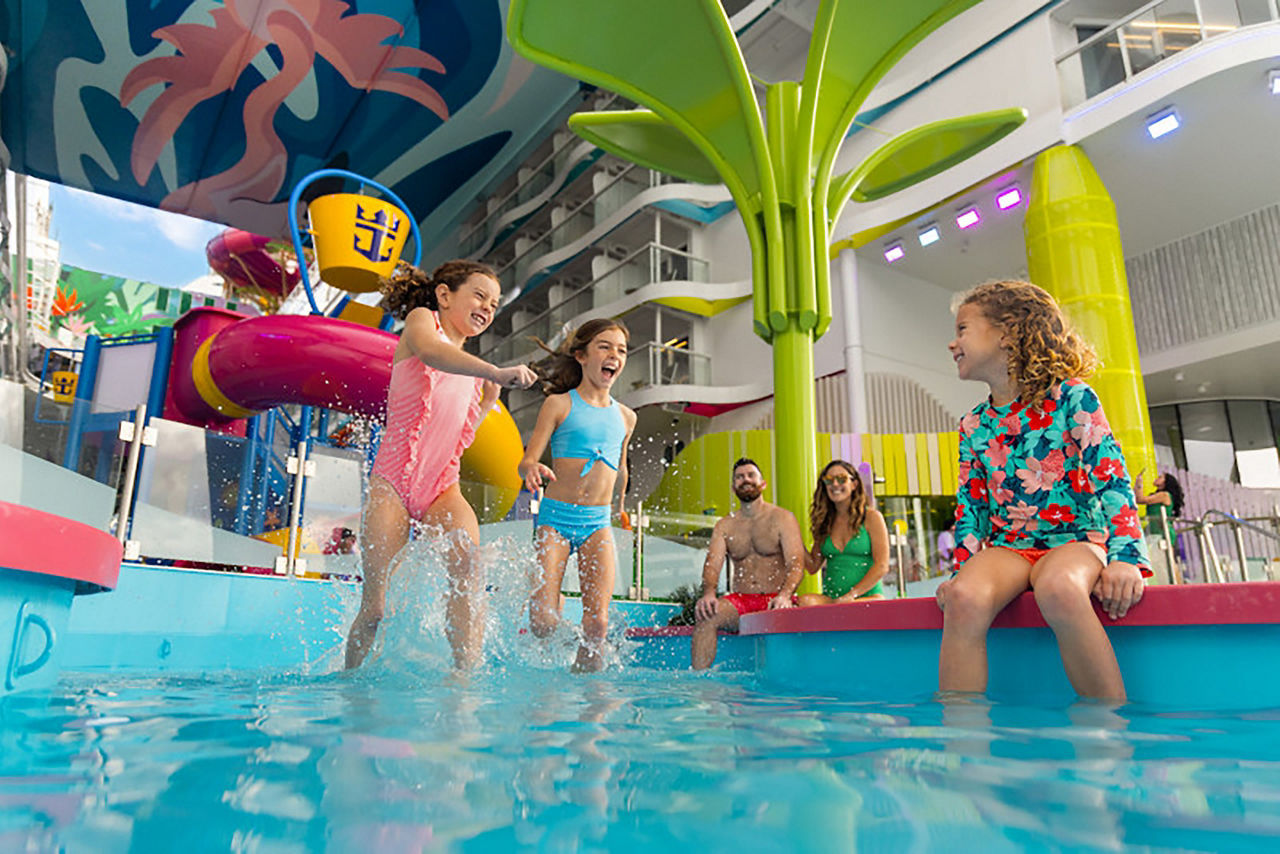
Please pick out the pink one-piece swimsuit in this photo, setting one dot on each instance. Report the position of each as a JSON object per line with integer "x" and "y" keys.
{"x": 431, "y": 419}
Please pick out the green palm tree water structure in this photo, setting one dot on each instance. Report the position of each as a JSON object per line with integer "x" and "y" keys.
{"x": 701, "y": 121}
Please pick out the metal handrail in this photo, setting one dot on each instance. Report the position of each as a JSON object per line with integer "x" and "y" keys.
{"x": 1231, "y": 517}
{"x": 1202, "y": 528}
{"x": 1110, "y": 30}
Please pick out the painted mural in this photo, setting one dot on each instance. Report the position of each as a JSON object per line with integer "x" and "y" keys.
{"x": 217, "y": 108}
{"x": 87, "y": 303}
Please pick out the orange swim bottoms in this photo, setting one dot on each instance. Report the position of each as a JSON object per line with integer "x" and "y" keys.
{"x": 1032, "y": 556}
{"x": 750, "y": 603}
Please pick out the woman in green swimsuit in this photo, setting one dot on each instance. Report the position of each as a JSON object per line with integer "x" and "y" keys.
{"x": 850, "y": 539}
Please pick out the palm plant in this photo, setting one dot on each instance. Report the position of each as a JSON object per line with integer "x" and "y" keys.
{"x": 700, "y": 121}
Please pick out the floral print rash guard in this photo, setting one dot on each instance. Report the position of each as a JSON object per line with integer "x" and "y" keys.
{"x": 1037, "y": 478}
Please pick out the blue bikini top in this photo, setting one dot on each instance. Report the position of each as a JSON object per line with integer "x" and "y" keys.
{"x": 591, "y": 433}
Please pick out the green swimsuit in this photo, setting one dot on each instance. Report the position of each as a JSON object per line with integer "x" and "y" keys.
{"x": 846, "y": 568}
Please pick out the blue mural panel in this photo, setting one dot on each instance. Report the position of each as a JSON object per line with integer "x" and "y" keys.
{"x": 216, "y": 108}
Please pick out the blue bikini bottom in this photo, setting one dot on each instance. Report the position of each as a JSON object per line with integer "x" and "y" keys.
{"x": 574, "y": 522}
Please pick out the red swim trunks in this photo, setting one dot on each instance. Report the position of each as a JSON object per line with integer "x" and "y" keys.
{"x": 750, "y": 603}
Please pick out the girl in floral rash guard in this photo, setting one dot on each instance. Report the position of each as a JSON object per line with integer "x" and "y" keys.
{"x": 1045, "y": 501}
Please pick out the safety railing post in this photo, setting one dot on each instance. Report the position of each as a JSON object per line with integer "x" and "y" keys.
{"x": 137, "y": 434}
{"x": 1166, "y": 544}
{"x": 1238, "y": 532}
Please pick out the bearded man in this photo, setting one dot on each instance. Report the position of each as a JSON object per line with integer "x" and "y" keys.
{"x": 768, "y": 556}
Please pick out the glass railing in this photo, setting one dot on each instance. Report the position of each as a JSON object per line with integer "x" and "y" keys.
{"x": 533, "y": 182}
{"x": 672, "y": 549}
{"x": 1148, "y": 36}
{"x": 576, "y": 222}
{"x": 35, "y": 471}
{"x": 656, "y": 364}
{"x": 646, "y": 265}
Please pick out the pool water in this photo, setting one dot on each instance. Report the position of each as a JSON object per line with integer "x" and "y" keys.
{"x": 404, "y": 755}
{"x": 539, "y": 759}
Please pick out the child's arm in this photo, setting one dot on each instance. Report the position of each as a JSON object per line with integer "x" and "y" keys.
{"x": 973, "y": 513}
{"x": 630, "y": 419}
{"x": 424, "y": 343}
{"x": 1107, "y": 477}
{"x": 531, "y": 470}
{"x": 489, "y": 397}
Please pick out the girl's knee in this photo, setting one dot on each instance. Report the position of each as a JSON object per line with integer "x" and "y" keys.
{"x": 970, "y": 605}
{"x": 1061, "y": 597}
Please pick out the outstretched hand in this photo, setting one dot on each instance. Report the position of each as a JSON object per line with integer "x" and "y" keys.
{"x": 516, "y": 376}
{"x": 535, "y": 476}
{"x": 1118, "y": 588}
{"x": 782, "y": 600}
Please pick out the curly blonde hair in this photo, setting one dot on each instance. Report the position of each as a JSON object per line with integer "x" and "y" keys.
{"x": 1043, "y": 348}
{"x": 408, "y": 287}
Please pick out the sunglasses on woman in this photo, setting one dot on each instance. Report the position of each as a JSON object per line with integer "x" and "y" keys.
{"x": 836, "y": 479}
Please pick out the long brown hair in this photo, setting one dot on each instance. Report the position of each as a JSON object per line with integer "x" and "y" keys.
{"x": 1043, "y": 348}
{"x": 822, "y": 510}
{"x": 409, "y": 287}
{"x": 560, "y": 371}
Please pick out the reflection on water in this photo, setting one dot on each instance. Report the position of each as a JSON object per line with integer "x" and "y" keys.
{"x": 408, "y": 755}
{"x": 525, "y": 757}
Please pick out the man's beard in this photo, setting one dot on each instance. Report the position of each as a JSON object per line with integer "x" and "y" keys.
{"x": 747, "y": 492}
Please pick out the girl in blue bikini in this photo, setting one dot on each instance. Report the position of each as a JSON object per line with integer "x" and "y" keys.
{"x": 588, "y": 433}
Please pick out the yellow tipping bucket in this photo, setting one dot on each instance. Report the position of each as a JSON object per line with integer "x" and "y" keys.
{"x": 358, "y": 239}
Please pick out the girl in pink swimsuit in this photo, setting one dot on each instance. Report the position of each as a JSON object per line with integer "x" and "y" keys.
{"x": 438, "y": 394}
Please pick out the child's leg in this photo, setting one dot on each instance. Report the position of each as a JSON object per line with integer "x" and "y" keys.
{"x": 597, "y": 568}
{"x": 806, "y": 599}
{"x": 544, "y": 604}
{"x": 1063, "y": 581}
{"x": 385, "y": 531}
{"x": 464, "y": 602}
{"x": 990, "y": 580}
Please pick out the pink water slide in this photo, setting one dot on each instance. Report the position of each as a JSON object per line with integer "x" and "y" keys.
{"x": 228, "y": 367}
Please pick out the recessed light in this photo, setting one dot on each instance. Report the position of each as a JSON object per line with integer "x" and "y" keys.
{"x": 929, "y": 234}
{"x": 894, "y": 253}
{"x": 1008, "y": 198}
{"x": 968, "y": 218}
{"x": 1164, "y": 122}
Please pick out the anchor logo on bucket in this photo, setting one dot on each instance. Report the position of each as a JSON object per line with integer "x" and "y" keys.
{"x": 379, "y": 233}
{"x": 357, "y": 239}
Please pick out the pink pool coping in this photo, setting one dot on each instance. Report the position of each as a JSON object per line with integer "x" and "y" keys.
{"x": 1247, "y": 603}
{"x": 46, "y": 544}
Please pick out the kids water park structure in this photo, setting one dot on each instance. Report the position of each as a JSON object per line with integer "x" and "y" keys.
{"x": 246, "y": 406}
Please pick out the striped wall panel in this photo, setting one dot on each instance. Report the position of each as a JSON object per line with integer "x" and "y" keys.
{"x": 897, "y": 404}
{"x": 1177, "y": 289}
{"x": 903, "y": 464}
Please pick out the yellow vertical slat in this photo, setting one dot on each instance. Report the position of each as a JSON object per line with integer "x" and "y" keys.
{"x": 923, "y": 470}
{"x": 935, "y": 465}
{"x": 910, "y": 462}
{"x": 877, "y": 461}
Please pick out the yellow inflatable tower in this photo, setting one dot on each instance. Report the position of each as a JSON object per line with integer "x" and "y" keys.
{"x": 1073, "y": 251}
